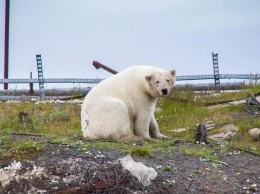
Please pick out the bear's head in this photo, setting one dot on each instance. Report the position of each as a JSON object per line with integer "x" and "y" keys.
{"x": 160, "y": 82}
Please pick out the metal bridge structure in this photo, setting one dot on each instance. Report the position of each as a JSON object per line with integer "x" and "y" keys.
{"x": 216, "y": 69}
{"x": 40, "y": 76}
{"x": 95, "y": 81}
{"x": 41, "y": 80}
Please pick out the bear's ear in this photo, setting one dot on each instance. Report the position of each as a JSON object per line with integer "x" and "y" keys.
{"x": 173, "y": 72}
{"x": 148, "y": 77}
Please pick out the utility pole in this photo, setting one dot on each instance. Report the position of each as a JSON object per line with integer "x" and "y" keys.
{"x": 6, "y": 47}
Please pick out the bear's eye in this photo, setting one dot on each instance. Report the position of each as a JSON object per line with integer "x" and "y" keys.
{"x": 157, "y": 82}
{"x": 167, "y": 80}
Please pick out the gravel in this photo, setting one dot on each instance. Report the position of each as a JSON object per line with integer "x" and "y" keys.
{"x": 63, "y": 169}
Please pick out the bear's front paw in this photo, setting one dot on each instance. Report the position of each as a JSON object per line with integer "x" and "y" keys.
{"x": 161, "y": 136}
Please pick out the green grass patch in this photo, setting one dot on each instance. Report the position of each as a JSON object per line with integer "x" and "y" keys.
{"x": 44, "y": 118}
{"x": 167, "y": 168}
{"x": 24, "y": 149}
{"x": 28, "y": 146}
{"x": 179, "y": 115}
{"x": 5, "y": 138}
{"x": 140, "y": 151}
{"x": 60, "y": 124}
{"x": 199, "y": 151}
{"x": 103, "y": 144}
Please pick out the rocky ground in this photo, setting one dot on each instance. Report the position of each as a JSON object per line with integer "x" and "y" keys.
{"x": 63, "y": 169}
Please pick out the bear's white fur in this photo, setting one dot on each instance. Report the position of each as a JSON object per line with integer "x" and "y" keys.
{"x": 122, "y": 107}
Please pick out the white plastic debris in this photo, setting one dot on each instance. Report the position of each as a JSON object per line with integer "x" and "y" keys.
{"x": 69, "y": 179}
{"x": 14, "y": 166}
{"x": 36, "y": 172}
{"x": 143, "y": 173}
{"x": 170, "y": 182}
{"x": 9, "y": 173}
{"x": 34, "y": 190}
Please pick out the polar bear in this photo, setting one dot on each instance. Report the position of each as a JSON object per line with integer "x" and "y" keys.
{"x": 122, "y": 106}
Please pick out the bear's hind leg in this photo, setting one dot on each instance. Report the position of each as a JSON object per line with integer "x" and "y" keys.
{"x": 118, "y": 122}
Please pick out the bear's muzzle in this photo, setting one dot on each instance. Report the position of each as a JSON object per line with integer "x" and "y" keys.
{"x": 164, "y": 91}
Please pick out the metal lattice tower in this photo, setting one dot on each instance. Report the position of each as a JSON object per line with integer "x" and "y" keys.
{"x": 216, "y": 69}
{"x": 40, "y": 77}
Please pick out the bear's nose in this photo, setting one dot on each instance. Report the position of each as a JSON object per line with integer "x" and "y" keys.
{"x": 164, "y": 91}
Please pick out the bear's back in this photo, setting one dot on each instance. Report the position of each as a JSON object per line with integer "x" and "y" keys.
{"x": 127, "y": 82}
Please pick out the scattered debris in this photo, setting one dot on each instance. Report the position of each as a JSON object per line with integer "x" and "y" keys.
{"x": 211, "y": 125}
{"x": 10, "y": 173}
{"x": 7, "y": 174}
{"x": 252, "y": 104}
{"x": 179, "y": 130}
{"x": 221, "y": 162}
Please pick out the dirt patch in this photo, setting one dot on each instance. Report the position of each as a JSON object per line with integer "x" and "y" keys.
{"x": 66, "y": 169}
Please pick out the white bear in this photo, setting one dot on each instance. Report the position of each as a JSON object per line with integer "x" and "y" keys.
{"x": 122, "y": 106}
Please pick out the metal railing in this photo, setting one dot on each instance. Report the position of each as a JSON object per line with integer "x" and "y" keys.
{"x": 95, "y": 81}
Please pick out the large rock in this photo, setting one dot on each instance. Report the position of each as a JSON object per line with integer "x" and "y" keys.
{"x": 223, "y": 135}
{"x": 254, "y": 133}
{"x": 229, "y": 130}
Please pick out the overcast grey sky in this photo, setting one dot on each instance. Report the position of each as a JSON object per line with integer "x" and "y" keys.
{"x": 172, "y": 34}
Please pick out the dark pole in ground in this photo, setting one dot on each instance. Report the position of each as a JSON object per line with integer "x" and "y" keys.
{"x": 6, "y": 52}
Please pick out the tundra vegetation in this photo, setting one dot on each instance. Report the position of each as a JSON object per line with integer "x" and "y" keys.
{"x": 59, "y": 123}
